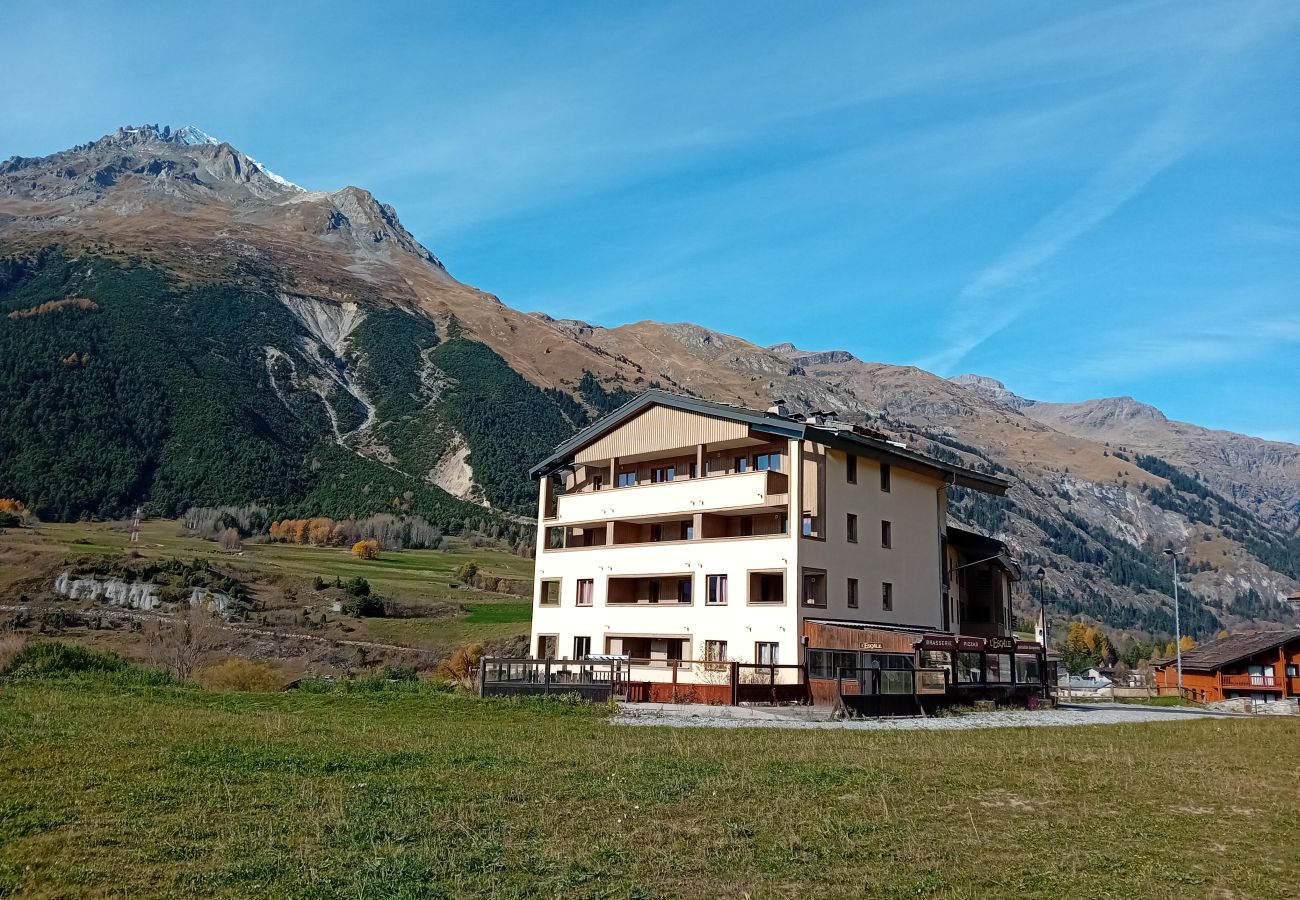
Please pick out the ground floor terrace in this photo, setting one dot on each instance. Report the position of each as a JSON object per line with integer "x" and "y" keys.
{"x": 867, "y": 670}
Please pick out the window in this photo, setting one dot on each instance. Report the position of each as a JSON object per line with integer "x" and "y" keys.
{"x": 851, "y": 469}
{"x": 627, "y": 479}
{"x": 550, "y": 595}
{"x": 807, "y": 525}
{"x": 586, "y": 591}
{"x": 766, "y": 653}
{"x": 717, "y": 591}
{"x": 766, "y": 587}
{"x": 597, "y": 482}
{"x": 886, "y": 596}
{"x": 653, "y": 588}
{"x": 746, "y": 526}
{"x": 814, "y": 588}
{"x": 656, "y": 532}
{"x": 548, "y": 646}
{"x": 766, "y": 461}
{"x": 581, "y": 647}
{"x": 998, "y": 666}
{"x": 742, "y": 464}
{"x": 853, "y": 528}
{"x": 688, "y": 531}
{"x": 853, "y": 593}
{"x": 831, "y": 663}
{"x": 884, "y": 478}
{"x": 692, "y": 471}
{"x": 715, "y": 651}
{"x": 684, "y": 586}
{"x": 1292, "y": 671}
{"x": 1027, "y": 669}
{"x": 886, "y": 534}
{"x": 662, "y": 474}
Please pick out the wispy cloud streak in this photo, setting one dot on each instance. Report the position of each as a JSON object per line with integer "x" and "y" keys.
{"x": 990, "y": 301}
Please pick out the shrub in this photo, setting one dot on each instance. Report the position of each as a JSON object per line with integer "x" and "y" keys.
{"x": 357, "y": 587}
{"x": 365, "y": 606}
{"x": 465, "y": 574}
{"x": 237, "y": 674}
{"x": 460, "y": 668}
{"x": 50, "y": 658}
{"x": 367, "y": 549}
{"x": 10, "y": 646}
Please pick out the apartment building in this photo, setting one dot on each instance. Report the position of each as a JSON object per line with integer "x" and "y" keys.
{"x": 679, "y": 529}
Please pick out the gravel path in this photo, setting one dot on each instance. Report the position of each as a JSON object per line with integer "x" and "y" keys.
{"x": 681, "y": 715}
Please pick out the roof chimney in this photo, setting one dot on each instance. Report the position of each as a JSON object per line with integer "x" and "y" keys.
{"x": 779, "y": 409}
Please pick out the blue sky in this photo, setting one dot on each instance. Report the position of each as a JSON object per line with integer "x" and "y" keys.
{"x": 1081, "y": 200}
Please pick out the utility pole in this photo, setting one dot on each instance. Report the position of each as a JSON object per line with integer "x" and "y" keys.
{"x": 1178, "y": 631}
{"x": 135, "y": 526}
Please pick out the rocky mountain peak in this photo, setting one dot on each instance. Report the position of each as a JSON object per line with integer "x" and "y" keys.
{"x": 992, "y": 389}
{"x": 805, "y": 358}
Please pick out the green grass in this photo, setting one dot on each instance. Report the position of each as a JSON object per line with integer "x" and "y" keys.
{"x": 117, "y": 790}
{"x": 499, "y": 613}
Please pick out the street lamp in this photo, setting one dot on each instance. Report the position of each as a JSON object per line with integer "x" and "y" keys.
{"x": 1178, "y": 632}
{"x": 1039, "y": 576}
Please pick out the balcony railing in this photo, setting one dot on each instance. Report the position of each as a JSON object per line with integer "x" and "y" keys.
{"x": 1265, "y": 682}
{"x": 680, "y": 497}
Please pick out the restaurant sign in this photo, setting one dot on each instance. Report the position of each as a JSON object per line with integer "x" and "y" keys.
{"x": 1000, "y": 644}
{"x": 871, "y": 645}
{"x": 951, "y": 642}
{"x": 1029, "y": 647}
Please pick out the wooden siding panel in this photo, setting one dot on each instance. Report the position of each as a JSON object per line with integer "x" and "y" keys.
{"x": 657, "y": 429}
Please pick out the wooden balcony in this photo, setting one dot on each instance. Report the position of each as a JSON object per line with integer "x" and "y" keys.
{"x": 683, "y": 496}
{"x": 1252, "y": 682}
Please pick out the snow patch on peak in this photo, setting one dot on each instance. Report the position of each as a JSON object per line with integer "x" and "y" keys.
{"x": 193, "y": 136}
{"x": 190, "y": 136}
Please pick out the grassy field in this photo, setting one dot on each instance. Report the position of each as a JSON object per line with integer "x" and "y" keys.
{"x": 123, "y": 791}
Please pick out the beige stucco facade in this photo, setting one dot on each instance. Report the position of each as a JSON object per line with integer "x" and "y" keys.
{"x": 681, "y": 534}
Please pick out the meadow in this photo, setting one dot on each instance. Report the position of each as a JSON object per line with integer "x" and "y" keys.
{"x": 119, "y": 788}
{"x": 417, "y": 577}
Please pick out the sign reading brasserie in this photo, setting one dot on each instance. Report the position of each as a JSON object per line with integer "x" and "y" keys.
{"x": 964, "y": 644}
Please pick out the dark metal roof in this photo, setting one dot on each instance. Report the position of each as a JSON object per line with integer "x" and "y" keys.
{"x": 1233, "y": 648}
{"x": 830, "y": 434}
{"x": 974, "y": 544}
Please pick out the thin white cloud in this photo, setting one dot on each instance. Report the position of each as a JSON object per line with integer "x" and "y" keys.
{"x": 995, "y": 297}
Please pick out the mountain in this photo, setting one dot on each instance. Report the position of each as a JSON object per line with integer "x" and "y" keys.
{"x": 181, "y": 327}
{"x": 1263, "y": 476}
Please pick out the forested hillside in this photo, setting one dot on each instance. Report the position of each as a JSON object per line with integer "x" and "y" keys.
{"x": 157, "y": 393}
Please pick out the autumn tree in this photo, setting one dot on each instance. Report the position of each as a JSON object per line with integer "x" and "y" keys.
{"x": 367, "y": 549}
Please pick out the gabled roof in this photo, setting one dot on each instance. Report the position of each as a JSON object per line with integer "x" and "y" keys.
{"x": 1233, "y": 648}
{"x": 837, "y": 435}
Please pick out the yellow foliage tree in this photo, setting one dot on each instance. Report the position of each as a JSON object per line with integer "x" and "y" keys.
{"x": 368, "y": 549}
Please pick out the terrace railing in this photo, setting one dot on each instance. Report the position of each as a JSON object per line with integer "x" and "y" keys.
{"x": 1267, "y": 680}
{"x": 639, "y": 680}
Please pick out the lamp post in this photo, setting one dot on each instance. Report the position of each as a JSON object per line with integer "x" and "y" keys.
{"x": 1039, "y": 576}
{"x": 1178, "y": 632}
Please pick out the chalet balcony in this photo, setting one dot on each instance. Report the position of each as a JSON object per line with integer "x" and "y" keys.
{"x": 684, "y": 496}
{"x": 1260, "y": 682}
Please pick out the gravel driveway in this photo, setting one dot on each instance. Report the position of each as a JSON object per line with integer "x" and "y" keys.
{"x": 682, "y": 715}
